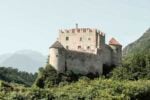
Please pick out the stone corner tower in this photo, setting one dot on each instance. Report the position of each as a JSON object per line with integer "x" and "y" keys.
{"x": 57, "y": 56}
{"x": 117, "y": 51}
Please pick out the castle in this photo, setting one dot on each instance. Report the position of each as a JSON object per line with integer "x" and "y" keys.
{"x": 83, "y": 51}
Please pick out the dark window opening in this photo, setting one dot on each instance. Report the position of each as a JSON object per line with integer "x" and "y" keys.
{"x": 65, "y": 66}
{"x": 80, "y": 39}
{"x": 73, "y": 30}
{"x": 79, "y": 47}
{"x": 67, "y": 38}
{"x": 89, "y": 38}
{"x": 88, "y": 47}
{"x": 67, "y": 47}
{"x": 78, "y": 30}
{"x": 84, "y": 30}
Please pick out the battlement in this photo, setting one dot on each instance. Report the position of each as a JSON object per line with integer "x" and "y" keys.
{"x": 82, "y": 39}
{"x": 81, "y": 30}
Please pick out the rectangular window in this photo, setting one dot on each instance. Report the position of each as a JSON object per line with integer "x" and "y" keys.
{"x": 80, "y": 38}
{"x": 67, "y": 38}
{"x": 84, "y": 30}
{"x": 67, "y": 31}
{"x": 90, "y": 30}
{"x": 88, "y": 47}
{"x": 78, "y": 30}
{"x": 79, "y": 47}
{"x": 73, "y": 30}
{"x": 67, "y": 47}
{"x": 89, "y": 39}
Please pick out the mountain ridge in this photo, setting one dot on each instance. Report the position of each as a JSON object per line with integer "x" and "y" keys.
{"x": 24, "y": 60}
{"x": 141, "y": 44}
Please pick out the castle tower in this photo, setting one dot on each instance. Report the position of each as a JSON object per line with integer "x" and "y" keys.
{"x": 57, "y": 56}
{"x": 100, "y": 39}
{"x": 117, "y": 51}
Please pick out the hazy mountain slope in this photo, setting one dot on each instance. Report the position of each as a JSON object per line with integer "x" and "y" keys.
{"x": 4, "y": 57}
{"x": 143, "y": 43}
{"x": 25, "y": 60}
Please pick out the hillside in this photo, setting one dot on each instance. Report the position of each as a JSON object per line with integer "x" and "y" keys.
{"x": 15, "y": 76}
{"x": 24, "y": 60}
{"x": 97, "y": 89}
{"x": 141, "y": 44}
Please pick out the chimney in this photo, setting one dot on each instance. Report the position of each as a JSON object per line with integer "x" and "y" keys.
{"x": 76, "y": 26}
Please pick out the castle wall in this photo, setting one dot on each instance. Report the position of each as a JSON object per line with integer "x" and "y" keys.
{"x": 83, "y": 40}
{"x": 117, "y": 54}
{"x": 107, "y": 55}
{"x": 83, "y": 63}
{"x": 80, "y": 62}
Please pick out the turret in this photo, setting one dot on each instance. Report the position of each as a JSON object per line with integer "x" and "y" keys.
{"x": 117, "y": 51}
{"x": 100, "y": 39}
{"x": 57, "y": 56}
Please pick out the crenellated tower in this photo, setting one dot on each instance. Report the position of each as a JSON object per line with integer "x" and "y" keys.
{"x": 82, "y": 39}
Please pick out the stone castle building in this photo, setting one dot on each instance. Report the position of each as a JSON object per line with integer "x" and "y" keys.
{"x": 83, "y": 51}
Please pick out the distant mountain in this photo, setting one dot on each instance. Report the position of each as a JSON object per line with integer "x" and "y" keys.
{"x": 4, "y": 57}
{"x": 24, "y": 60}
{"x": 142, "y": 44}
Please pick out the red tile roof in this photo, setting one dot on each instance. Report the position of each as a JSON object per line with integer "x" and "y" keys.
{"x": 113, "y": 41}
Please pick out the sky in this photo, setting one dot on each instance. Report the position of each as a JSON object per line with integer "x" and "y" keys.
{"x": 34, "y": 24}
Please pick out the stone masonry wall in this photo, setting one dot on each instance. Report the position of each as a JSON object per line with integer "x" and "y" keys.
{"x": 83, "y": 63}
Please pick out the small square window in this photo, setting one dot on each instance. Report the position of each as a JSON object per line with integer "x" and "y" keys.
{"x": 73, "y": 30}
{"x": 78, "y": 30}
{"x": 88, "y": 47}
{"x": 79, "y": 47}
{"x": 67, "y": 47}
{"x": 67, "y": 38}
{"x": 84, "y": 30}
{"x": 80, "y": 38}
{"x": 89, "y": 39}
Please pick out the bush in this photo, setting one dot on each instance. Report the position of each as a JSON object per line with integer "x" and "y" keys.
{"x": 47, "y": 77}
{"x": 134, "y": 67}
{"x": 20, "y": 77}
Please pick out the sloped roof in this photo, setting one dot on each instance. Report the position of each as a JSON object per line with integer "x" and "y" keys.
{"x": 113, "y": 41}
{"x": 57, "y": 44}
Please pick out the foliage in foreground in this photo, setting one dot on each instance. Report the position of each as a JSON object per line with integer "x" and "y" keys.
{"x": 13, "y": 75}
{"x": 134, "y": 67}
{"x": 48, "y": 77}
{"x": 84, "y": 89}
